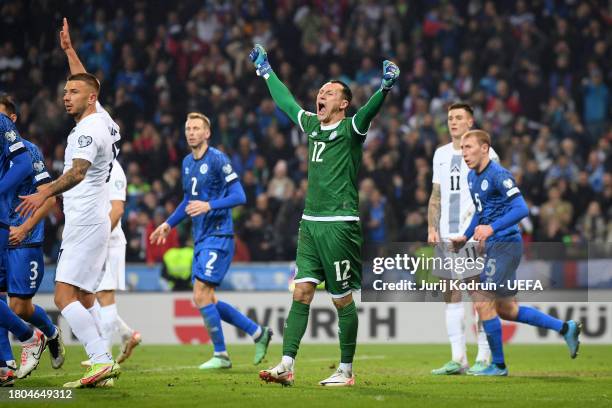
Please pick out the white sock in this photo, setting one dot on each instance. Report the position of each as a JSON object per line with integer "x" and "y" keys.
{"x": 347, "y": 368}
{"x": 94, "y": 311}
{"x": 108, "y": 319}
{"x": 257, "y": 333}
{"x": 288, "y": 362}
{"x": 124, "y": 329}
{"x": 455, "y": 314}
{"x": 484, "y": 351}
{"x": 84, "y": 328}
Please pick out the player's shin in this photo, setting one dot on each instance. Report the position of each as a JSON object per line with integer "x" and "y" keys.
{"x": 455, "y": 327}
{"x": 295, "y": 327}
{"x": 6, "y": 353}
{"x": 41, "y": 319}
{"x": 348, "y": 323}
{"x": 233, "y": 316}
{"x": 212, "y": 321}
{"x": 84, "y": 328}
{"x": 534, "y": 317}
{"x": 14, "y": 324}
{"x": 493, "y": 329}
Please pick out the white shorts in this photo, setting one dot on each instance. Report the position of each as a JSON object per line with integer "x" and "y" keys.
{"x": 82, "y": 254}
{"x": 114, "y": 269}
{"x": 460, "y": 265}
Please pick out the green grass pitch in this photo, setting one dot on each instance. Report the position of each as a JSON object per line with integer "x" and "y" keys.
{"x": 386, "y": 376}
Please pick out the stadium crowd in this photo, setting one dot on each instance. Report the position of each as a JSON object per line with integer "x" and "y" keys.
{"x": 538, "y": 74}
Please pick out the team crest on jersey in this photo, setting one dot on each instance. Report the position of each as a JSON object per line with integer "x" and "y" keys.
{"x": 333, "y": 135}
{"x": 38, "y": 166}
{"x": 484, "y": 185}
{"x": 227, "y": 169}
{"x": 313, "y": 134}
{"x": 84, "y": 141}
{"x": 204, "y": 168}
{"x": 508, "y": 183}
{"x": 11, "y": 136}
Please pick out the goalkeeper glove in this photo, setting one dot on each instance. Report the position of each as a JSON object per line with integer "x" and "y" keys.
{"x": 260, "y": 60}
{"x": 390, "y": 74}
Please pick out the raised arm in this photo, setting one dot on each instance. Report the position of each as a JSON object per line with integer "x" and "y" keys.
{"x": 74, "y": 62}
{"x": 280, "y": 93}
{"x": 364, "y": 116}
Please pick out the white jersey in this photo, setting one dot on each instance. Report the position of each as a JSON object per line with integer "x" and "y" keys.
{"x": 113, "y": 127}
{"x": 90, "y": 140}
{"x": 117, "y": 191}
{"x": 456, "y": 206}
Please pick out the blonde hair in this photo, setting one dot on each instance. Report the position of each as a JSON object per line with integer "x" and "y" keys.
{"x": 481, "y": 136}
{"x": 201, "y": 116}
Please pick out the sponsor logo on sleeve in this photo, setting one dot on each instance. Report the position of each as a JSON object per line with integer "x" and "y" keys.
{"x": 11, "y": 136}
{"x": 84, "y": 141}
{"x": 227, "y": 169}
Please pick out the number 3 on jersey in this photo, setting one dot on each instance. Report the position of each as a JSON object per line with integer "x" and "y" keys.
{"x": 317, "y": 150}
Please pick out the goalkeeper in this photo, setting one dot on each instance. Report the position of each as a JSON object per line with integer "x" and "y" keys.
{"x": 330, "y": 238}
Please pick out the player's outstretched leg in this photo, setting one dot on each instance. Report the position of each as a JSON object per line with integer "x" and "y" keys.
{"x": 261, "y": 335}
{"x": 295, "y": 327}
{"x": 570, "y": 330}
{"x": 483, "y": 357}
{"x": 455, "y": 327}
{"x": 348, "y": 323}
{"x": 493, "y": 329}
{"x": 111, "y": 323}
{"x": 212, "y": 321}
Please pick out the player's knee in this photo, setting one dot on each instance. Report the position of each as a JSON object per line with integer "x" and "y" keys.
{"x": 304, "y": 292}
{"x": 203, "y": 296}
{"x": 22, "y": 307}
{"x": 343, "y": 302}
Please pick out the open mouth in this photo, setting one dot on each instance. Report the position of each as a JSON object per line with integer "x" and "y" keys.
{"x": 321, "y": 109}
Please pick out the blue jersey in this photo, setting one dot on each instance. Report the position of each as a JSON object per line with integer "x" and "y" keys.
{"x": 11, "y": 145}
{"x": 28, "y": 186}
{"x": 207, "y": 179}
{"x": 492, "y": 190}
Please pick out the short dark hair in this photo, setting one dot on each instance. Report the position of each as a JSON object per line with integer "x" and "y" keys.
{"x": 346, "y": 91}
{"x": 8, "y": 103}
{"x": 462, "y": 105}
{"x": 88, "y": 78}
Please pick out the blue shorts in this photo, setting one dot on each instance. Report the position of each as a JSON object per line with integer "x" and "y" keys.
{"x": 501, "y": 262}
{"x": 25, "y": 268}
{"x": 212, "y": 259}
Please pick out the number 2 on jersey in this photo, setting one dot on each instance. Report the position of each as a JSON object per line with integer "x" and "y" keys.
{"x": 317, "y": 150}
{"x": 194, "y": 184}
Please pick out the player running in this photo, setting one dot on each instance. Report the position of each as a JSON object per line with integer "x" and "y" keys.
{"x": 15, "y": 166}
{"x": 114, "y": 267}
{"x": 24, "y": 257}
{"x": 449, "y": 213}
{"x": 499, "y": 208}
{"x": 211, "y": 188}
{"x": 87, "y": 164}
{"x": 330, "y": 238}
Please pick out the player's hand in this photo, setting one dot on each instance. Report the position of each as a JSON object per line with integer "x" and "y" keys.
{"x": 65, "y": 41}
{"x": 433, "y": 237}
{"x": 17, "y": 235}
{"x": 259, "y": 58}
{"x": 482, "y": 232}
{"x": 31, "y": 203}
{"x": 158, "y": 237}
{"x": 457, "y": 243}
{"x": 390, "y": 74}
{"x": 195, "y": 208}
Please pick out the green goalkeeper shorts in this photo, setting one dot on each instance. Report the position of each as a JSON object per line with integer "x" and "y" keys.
{"x": 330, "y": 252}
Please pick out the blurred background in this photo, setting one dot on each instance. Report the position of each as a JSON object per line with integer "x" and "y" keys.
{"x": 538, "y": 74}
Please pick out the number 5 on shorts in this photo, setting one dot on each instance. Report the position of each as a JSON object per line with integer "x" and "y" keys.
{"x": 342, "y": 275}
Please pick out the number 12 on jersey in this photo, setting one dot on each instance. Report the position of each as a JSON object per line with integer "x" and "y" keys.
{"x": 317, "y": 150}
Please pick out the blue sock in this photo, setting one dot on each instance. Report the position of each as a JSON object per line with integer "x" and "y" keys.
{"x": 233, "y": 316}
{"x": 493, "y": 329}
{"x": 534, "y": 317}
{"x": 212, "y": 321}
{"x": 14, "y": 324}
{"x": 6, "y": 353}
{"x": 41, "y": 320}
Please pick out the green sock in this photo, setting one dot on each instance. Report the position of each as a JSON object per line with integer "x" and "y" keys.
{"x": 348, "y": 322}
{"x": 295, "y": 327}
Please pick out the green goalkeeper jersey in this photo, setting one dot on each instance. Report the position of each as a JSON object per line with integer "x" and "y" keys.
{"x": 334, "y": 155}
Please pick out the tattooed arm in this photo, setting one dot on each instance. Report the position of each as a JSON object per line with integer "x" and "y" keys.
{"x": 433, "y": 215}
{"x": 64, "y": 183}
